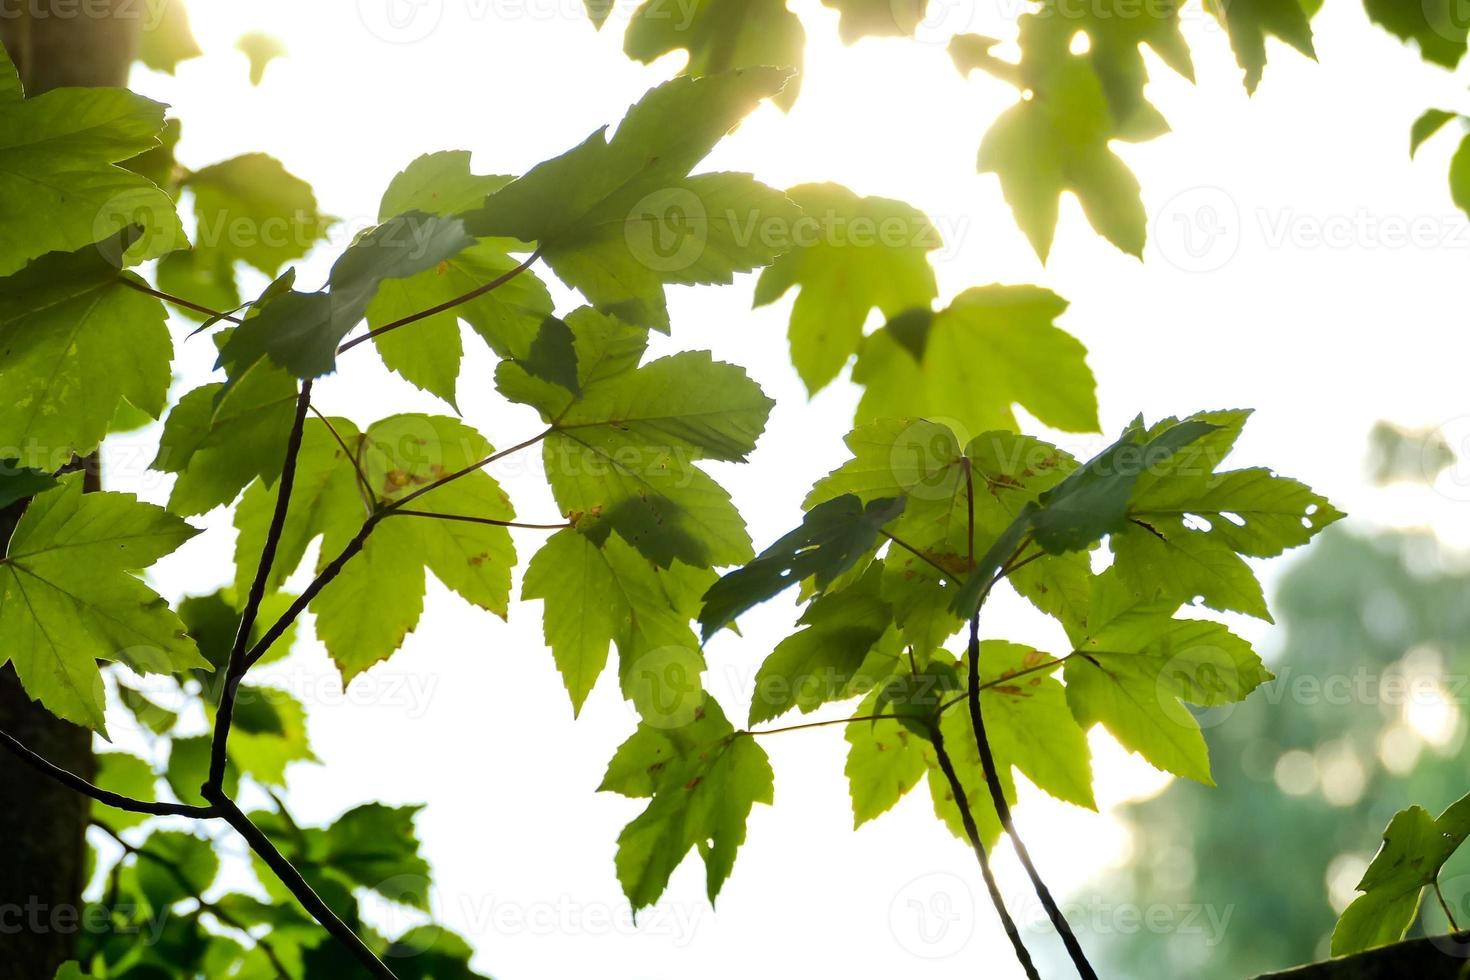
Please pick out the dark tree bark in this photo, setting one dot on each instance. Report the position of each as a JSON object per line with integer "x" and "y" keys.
{"x": 1437, "y": 958}
{"x": 43, "y": 825}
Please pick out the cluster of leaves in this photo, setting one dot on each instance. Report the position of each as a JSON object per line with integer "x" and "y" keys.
{"x": 899, "y": 547}
{"x": 1416, "y": 846}
{"x": 1074, "y": 102}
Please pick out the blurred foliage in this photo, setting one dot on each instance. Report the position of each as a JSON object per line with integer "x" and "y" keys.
{"x": 1365, "y": 717}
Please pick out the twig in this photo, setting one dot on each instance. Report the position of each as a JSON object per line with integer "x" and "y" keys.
{"x": 403, "y": 502}
{"x": 238, "y": 665}
{"x": 967, "y": 818}
{"x": 921, "y": 556}
{"x": 80, "y": 785}
{"x": 368, "y": 500}
{"x": 143, "y": 287}
{"x": 298, "y": 886}
{"x": 818, "y": 724}
{"x": 1445, "y": 907}
{"x": 447, "y": 305}
{"x": 987, "y": 758}
{"x": 466, "y": 519}
{"x": 323, "y": 579}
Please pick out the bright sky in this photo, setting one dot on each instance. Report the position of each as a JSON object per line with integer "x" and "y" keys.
{"x": 1277, "y": 277}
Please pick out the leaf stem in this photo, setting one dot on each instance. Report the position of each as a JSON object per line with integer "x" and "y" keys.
{"x": 466, "y": 519}
{"x": 298, "y": 886}
{"x": 142, "y": 287}
{"x": 967, "y": 818}
{"x": 447, "y": 305}
{"x": 818, "y": 724}
{"x": 362, "y": 481}
{"x": 80, "y": 785}
{"x": 951, "y": 576}
{"x": 238, "y": 664}
{"x": 403, "y": 502}
{"x": 1444, "y": 907}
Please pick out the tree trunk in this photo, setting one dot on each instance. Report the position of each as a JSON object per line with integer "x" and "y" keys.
{"x": 43, "y": 825}
{"x": 1436, "y": 958}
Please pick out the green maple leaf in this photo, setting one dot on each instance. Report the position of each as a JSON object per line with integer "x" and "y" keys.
{"x": 18, "y": 483}
{"x": 720, "y": 35}
{"x": 1429, "y": 123}
{"x": 598, "y": 595}
{"x": 869, "y": 253}
{"x": 68, "y": 597}
{"x": 301, "y": 331}
{"x": 1251, "y": 21}
{"x": 183, "y": 866}
{"x": 884, "y": 761}
{"x": 878, "y": 18}
{"x": 1188, "y": 524}
{"x": 1135, "y": 668}
{"x": 1057, "y": 140}
{"x": 58, "y": 182}
{"x": 1437, "y": 27}
{"x": 619, "y": 218}
{"x": 833, "y": 537}
{"x": 364, "y": 615}
{"x": 218, "y": 438}
{"x": 250, "y": 208}
{"x": 818, "y": 664}
{"x": 702, "y": 779}
{"x": 992, "y": 348}
{"x": 166, "y": 38}
{"x": 507, "y": 318}
{"x": 78, "y": 341}
{"x": 621, "y": 452}
{"x": 1416, "y": 846}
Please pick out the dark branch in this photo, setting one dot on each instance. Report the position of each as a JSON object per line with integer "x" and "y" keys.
{"x": 99, "y": 794}
{"x": 298, "y": 886}
{"x": 987, "y": 757}
{"x": 946, "y": 765}
{"x": 238, "y": 665}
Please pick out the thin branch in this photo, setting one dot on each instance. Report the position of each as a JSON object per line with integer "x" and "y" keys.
{"x": 973, "y": 833}
{"x": 143, "y": 287}
{"x": 1006, "y": 679}
{"x": 298, "y": 886}
{"x": 403, "y": 502}
{"x": 466, "y": 519}
{"x": 951, "y": 576}
{"x": 817, "y": 724}
{"x": 77, "y": 783}
{"x": 368, "y": 500}
{"x": 334, "y": 568}
{"x": 1445, "y": 907}
{"x": 238, "y": 665}
{"x": 473, "y": 294}
{"x": 987, "y": 757}
{"x": 323, "y": 579}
